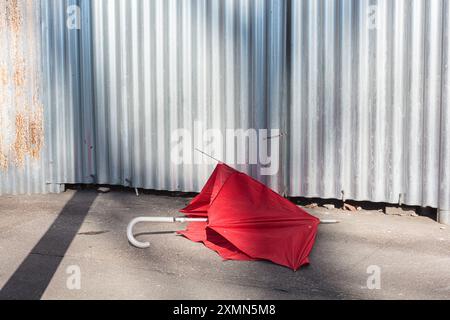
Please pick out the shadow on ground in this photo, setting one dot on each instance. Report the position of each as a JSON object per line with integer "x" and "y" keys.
{"x": 34, "y": 274}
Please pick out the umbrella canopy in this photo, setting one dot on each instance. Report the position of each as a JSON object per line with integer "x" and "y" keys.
{"x": 249, "y": 221}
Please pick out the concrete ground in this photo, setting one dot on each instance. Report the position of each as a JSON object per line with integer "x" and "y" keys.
{"x": 43, "y": 237}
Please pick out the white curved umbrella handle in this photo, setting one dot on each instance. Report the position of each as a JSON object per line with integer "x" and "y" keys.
{"x": 144, "y": 245}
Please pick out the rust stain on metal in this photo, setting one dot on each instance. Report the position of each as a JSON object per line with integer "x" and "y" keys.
{"x": 29, "y": 135}
{"x": 20, "y": 144}
{"x": 3, "y": 157}
{"x": 3, "y": 75}
{"x": 19, "y": 72}
{"x": 13, "y": 16}
{"x": 21, "y": 110}
{"x": 36, "y": 134}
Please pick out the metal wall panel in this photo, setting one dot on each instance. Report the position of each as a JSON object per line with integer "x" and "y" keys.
{"x": 23, "y": 141}
{"x": 138, "y": 70}
{"x": 68, "y": 87}
{"x": 368, "y": 114}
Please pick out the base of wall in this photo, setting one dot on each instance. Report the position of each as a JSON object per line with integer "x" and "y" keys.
{"x": 444, "y": 216}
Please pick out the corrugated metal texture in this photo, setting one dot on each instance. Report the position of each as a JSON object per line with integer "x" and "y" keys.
{"x": 23, "y": 140}
{"x": 366, "y": 111}
{"x": 68, "y": 86}
{"x": 365, "y": 102}
{"x": 139, "y": 70}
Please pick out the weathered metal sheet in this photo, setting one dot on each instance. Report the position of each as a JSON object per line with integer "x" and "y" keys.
{"x": 22, "y": 137}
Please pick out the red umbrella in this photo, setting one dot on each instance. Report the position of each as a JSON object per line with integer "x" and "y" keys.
{"x": 249, "y": 221}
{"x": 242, "y": 219}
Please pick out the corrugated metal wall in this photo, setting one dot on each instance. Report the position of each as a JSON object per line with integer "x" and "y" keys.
{"x": 23, "y": 154}
{"x": 361, "y": 87}
{"x": 367, "y": 114}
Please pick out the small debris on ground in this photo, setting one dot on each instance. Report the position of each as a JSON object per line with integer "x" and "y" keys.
{"x": 349, "y": 207}
{"x": 312, "y": 206}
{"x": 395, "y": 211}
{"x": 443, "y": 228}
{"x": 359, "y": 209}
{"x": 92, "y": 233}
{"x": 329, "y": 206}
{"x": 103, "y": 190}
